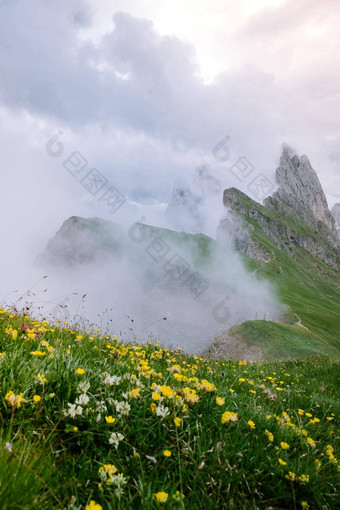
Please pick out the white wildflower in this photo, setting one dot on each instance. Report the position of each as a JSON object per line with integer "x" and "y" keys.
{"x": 83, "y": 387}
{"x": 118, "y": 481}
{"x": 111, "y": 380}
{"x": 82, "y": 400}
{"x": 115, "y": 439}
{"x": 74, "y": 410}
{"x": 162, "y": 411}
{"x": 8, "y": 447}
{"x": 123, "y": 408}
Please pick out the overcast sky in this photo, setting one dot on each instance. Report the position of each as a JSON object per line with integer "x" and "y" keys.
{"x": 144, "y": 90}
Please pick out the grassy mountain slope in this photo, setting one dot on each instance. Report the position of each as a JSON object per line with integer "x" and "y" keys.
{"x": 308, "y": 286}
{"x": 91, "y": 423}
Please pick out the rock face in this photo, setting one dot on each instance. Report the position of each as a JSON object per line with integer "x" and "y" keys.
{"x": 300, "y": 190}
{"x": 336, "y": 216}
{"x": 296, "y": 216}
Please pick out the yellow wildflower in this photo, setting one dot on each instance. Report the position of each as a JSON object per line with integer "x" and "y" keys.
{"x": 167, "y": 453}
{"x": 167, "y": 391}
{"x": 161, "y": 497}
{"x": 220, "y": 401}
{"x": 41, "y": 378}
{"x": 80, "y": 371}
{"x": 303, "y": 478}
{"x": 93, "y": 506}
{"x": 284, "y": 446}
{"x": 135, "y": 393}
{"x": 36, "y": 398}
{"x": 110, "y": 419}
{"x": 269, "y": 435}
{"x": 207, "y": 386}
{"x": 14, "y": 400}
{"x": 229, "y": 416}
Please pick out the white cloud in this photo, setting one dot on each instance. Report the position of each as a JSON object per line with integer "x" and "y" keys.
{"x": 145, "y": 90}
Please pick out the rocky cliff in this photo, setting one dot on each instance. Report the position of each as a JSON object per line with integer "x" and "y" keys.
{"x": 295, "y": 217}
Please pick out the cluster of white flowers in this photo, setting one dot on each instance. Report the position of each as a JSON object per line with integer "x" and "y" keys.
{"x": 116, "y": 438}
{"x": 83, "y": 399}
{"x": 76, "y": 409}
{"x": 122, "y": 408}
{"x": 83, "y": 387}
{"x": 162, "y": 411}
{"x": 118, "y": 481}
{"x": 73, "y": 410}
{"x": 111, "y": 380}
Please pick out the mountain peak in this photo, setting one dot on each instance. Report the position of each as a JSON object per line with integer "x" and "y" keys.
{"x": 295, "y": 217}
{"x": 300, "y": 190}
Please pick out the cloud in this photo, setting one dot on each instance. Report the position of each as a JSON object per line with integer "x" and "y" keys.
{"x": 130, "y": 96}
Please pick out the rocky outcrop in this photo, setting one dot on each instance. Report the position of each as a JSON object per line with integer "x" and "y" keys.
{"x": 296, "y": 216}
{"x": 300, "y": 191}
{"x": 336, "y": 215}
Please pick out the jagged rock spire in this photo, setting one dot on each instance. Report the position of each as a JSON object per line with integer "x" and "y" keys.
{"x": 300, "y": 189}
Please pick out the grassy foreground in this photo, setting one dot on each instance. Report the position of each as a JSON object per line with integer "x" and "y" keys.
{"x": 90, "y": 422}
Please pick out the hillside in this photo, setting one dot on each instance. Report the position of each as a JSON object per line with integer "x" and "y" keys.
{"x": 291, "y": 241}
{"x": 90, "y": 423}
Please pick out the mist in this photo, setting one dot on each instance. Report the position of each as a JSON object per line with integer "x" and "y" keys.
{"x": 138, "y": 103}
